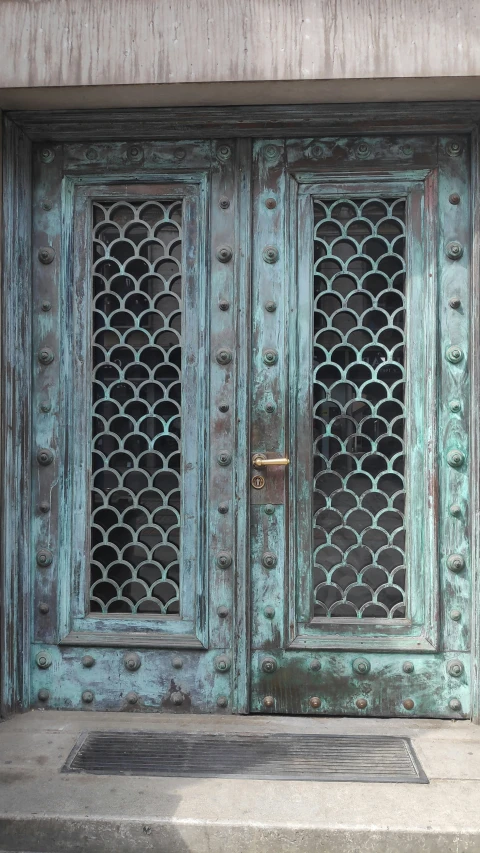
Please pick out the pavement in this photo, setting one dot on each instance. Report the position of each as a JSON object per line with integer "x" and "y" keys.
{"x": 44, "y": 811}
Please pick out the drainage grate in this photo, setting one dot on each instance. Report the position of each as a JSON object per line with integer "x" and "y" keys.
{"x": 246, "y": 756}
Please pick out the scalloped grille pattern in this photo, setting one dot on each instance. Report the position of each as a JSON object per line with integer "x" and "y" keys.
{"x": 136, "y": 431}
{"x": 359, "y": 415}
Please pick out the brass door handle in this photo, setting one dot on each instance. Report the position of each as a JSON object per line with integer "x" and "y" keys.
{"x": 259, "y": 460}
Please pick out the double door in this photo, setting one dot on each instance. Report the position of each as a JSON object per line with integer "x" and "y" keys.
{"x": 250, "y": 468}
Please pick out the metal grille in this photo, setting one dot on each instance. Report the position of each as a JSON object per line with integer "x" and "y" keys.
{"x": 135, "y": 494}
{"x": 266, "y": 756}
{"x": 359, "y": 416}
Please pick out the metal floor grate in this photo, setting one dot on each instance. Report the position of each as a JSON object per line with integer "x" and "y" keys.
{"x": 246, "y": 756}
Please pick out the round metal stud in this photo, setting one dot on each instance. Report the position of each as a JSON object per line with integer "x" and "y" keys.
{"x": 43, "y": 608}
{"x": 46, "y": 205}
{"x": 454, "y": 302}
{"x": 361, "y": 665}
{"x": 131, "y": 661}
{"x": 45, "y": 355}
{"x": 88, "y": 661}
{"x": 315, "y": 702}
{"x": 131, "y": 698}
{"x": 269, "y": 665}
{"x": 224, "y": 560}
{"x": 46, "y": 305}
{"x": 270, "y": 254}
{"x": 270, "y": 408}
{"x": 456, "y": 563}
{"x": 362, "y": 150}
{"x": 455, "y": 458}
{"x": 269, "y": 560}
{"x": 455, "y": 615}
{"x": 43, "y": 660}
{"x": 270, "y": 203}
{"x": 271, "y": 152}
{"x": 44, "y": 507}
{"x": 269, "y": 701}
{"x": 408, "y": 666}
{"x": 408, "y": 704}
{"x": 455, "y": 510}
{"x": 361, "y": 704}
{"x": 454, "y": 198}
{"x": 222, "y": 611}
{"x": 134, "y": 152}
{"x": 224, "y": 254}
{"x": 44, "y": 558}
{"x": 454, "y": 250}
{"x": 270, "y": 357}
{"x": 176, "y": 698}
{"x": 269, "y": 509}
{"x": 453, "y": 148}
{"x": 317, "y": 150}
{"x": 224, "y": 203}
{"x": 224, "y": 459}
{"x": 224, "y": 152}
{"x": 223, "y": 508}
{"x": 455, "y": 705}
{"x": 44, "y": 456}
{"x": 91, "y": 154}
{"x": 177, "y": 662}
{"x": 315, "y": 665}
{"x": 455, "y": 406}
{"x": 180, "y": 154}
{"x": 454, "y": 354}
{"x": 45, "y": 407}
{"x": 222, "y": 701}
{"x": 43, "y": 695}
{"x": 222, "y": 663}
{"x": 46, "y": 254}
{"x": 270, "y": 306}
{"x": 407, "y": 150}
{"x": 269, "y": 612}
{"x": 223, "y": 408}
{"x": 224, "y": 356}
{"x": 47, "y": 155}
{"x": 455, "y": 668}
{"x": 224, "y": 305}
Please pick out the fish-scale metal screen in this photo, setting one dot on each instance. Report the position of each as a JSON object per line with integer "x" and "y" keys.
{"x": 359, "y": 415}
{"x": 136, "y": 429}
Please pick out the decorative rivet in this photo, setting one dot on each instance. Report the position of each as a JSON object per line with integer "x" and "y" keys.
{"x": 454, "y": 354}
{"x": 88, "y": 661}
{"x": 224, "y": 254}
{"x": 455, "y": 668}
{"x": 223, "y": 356}
{"x": 408, "y": 666}
{"x": 269, "y": 560}
{"x": 269, "y": 612}
{"x": 361, "y": 704}
{"x": 453, "y": 149}
{"x": 315, "y": 665}
{"x": 44, "y": 507}
{"x": 224, "y": 560}
{"x": 131, "y": 661}
{"x": 131, "y": 698}
{"x": 44, "y": 557}
{"x": 454, "y": 302}
{"x": 407, "y": 150}
{"x": 362, "y": 150}
{"x": 222, "y": 663}
{"x": 47, "y": 155}
{"x": 224, "y": 459}
{"x": 224, "y": 152}
{"x": 222, "y": 611}
{"x": 44, "y": 456}
{"x": 46, "y": 305}
{"x": 270, "y": 306}
{"x": 454, "y": 198}
{"x": 269, "y": 509}
{"x": 43, "y": 660}
{"x": 45, "y": 407}
{"x": 176, "y": 698}
{"x": 455, "y": 406}
{"x": 43, "y": 695}
{"x": 46, "y": 205}
{"x": 135, "y": 152}
{"x": 455, "y": 458}
{"x": 224, "y": 305}
{"x": 315, "y": 702}
{"x": 271, "y": 152}
{"x": 270, "y": 254}
{"x": 317, "y": 150}
{"x": 455, "y": 509}
{"x": 270, "y": 357}
{"x": 222, "y": 701}
{"x": 455, "y": 563}
{"x": 269, "y": 665}
{"x": 270, "y": 408}
{"x": 177, "y": 662}
{"x": 45, "y": 355}
{"x": 224, "y": 203}
{"x": 269, "y": 701}
{"x": 180, "y": 154}
{"x": 223, "y": 408}
{"x": 223, "y": 508}
{"x": 270, "y": 203}
{"x": 455, "y": 705}
{"x": 46, "y": 254}
{"x": 361, "y": 665}
{"x": 454, "y": 250}
{"x": 91, "y": 154}
{"x": 408, "y": 704}
{"x": 44, "y": 608}
{"x": 455, "y": 615}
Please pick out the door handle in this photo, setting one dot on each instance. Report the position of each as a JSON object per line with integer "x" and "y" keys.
{"x": 259, "y": 460}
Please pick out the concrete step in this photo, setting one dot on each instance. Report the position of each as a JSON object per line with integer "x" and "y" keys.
{"x": 43, "y": 811}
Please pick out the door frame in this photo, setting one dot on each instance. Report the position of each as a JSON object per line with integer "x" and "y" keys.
{"x": 21, "y": 129}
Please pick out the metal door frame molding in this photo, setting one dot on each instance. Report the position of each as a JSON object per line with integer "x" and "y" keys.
{"x": 21, "y": 129}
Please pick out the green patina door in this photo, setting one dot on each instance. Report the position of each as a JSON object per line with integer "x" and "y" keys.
{"x": 261, "y": 343}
